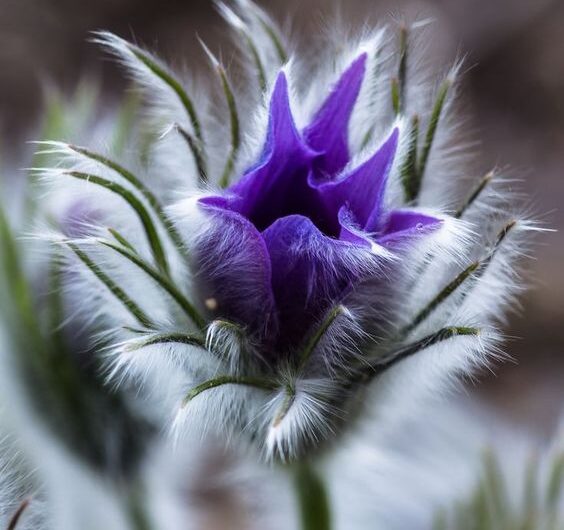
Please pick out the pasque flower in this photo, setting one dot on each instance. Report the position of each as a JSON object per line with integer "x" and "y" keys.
{"x": 312, "y": 225}
{"x": 318, "y": 261}
{"x": 305, "y": 268}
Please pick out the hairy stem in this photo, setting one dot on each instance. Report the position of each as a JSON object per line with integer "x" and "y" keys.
{"x": 313, "y": 498}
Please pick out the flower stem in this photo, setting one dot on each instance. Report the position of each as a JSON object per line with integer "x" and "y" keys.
{"x": 138, "y": 515}
{"x": 313, "y": 500}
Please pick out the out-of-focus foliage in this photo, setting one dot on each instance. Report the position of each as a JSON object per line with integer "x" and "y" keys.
{"x": 528, "y": 497}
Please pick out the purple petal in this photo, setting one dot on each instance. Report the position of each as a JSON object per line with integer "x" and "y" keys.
{"x": 232, "y": 265}
{"x": 350, "y": 230}
{"x": 328, "y": 131}
{"x": 310, "y": 271}
{"x": 278, "y": 184}
{"x": 362, "y": 190}
{"x": 402, "y": 225}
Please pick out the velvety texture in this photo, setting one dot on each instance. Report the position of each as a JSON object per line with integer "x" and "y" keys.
{"x": 298, "y": 229}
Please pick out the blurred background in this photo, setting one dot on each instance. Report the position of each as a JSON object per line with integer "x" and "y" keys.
{"x": 513, "y": 93}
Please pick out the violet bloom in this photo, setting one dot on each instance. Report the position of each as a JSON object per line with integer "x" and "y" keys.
{"x": 307, "y": 226}
{"x": 326, "y": 279}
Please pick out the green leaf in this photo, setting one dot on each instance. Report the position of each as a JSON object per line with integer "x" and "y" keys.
{"x": 196, "y": 151}
{"x": 434, "y": 120}
{"x": 148, "y": 225}
{"x": 275, "y": 38}
{"x": 115, "y": 289}
{"x": 253, "y": 50}
{"x": 402, "y": 68}
{"x": 168, "y": 338}
{"x": 255, "y": 382}
{"x": 471, "y": 273}
{"x": 314, "y": 340}
{"x": 410, "y": 176}
{"x": 233, "y": 117}
{"x": 137, "y": 184}
{"x": 161, "y": 72}
{"x": 287, "y": 402}
{"x": 378, "y": 365}
{"x": 475, "y": 194}
{"x": 161, "y": 280}
{"x": 443, "y": 295}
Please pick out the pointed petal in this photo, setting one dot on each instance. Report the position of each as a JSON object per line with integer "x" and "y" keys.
{"x": 402, "y": 225}
{"x": 328, "y": 131}
{"x": 232, "y": 265}
{"x": 277, "y": 184}
{"x": 362, "y": 190}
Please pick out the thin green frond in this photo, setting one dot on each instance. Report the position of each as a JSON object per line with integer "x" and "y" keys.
{"x": 255, "y": 382}
{"x": 121, "y": 240}
{"x": 484, "y": 182}
{"x": 555, "y": 483}
{"x": 12, "y": 275}
{"x": 168, "y": 338}
{"x": 287, "y": 402}
{"x": 55, "y": 313}
{"x": 125, "y": 122}
{"x": 410, "y": 176}
{"x": 160, "y": 71}
{"x": 318, "y": 335}
{"x": 117, "y": 291}
{"x": 402, "y": 68}
{"x": 136, "y": 183}
{"x": 199, "y": 159}
{"x": 261, "y": 73}
{"x": 233, "y": 116}
{"x": 471, "y": 273}
{"x": 440, "y": 521}
{"x": 496, "y": 489}
{"x": 275, "y": 38}
{"x": 434, "y": 120}
{"x": 161, "y": 280}
{"x": 144, "y": 216}
{"x": 395, "y": 92}
{"x": 235, "y": 132}
{"x": 443, "y": 295}
{"x": 380, "y": 364}
{"x": 530, "y": 496}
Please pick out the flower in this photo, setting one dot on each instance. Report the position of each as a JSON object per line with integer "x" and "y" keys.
{"x": 315, "y": 270}
{"x": 312, "y": 224}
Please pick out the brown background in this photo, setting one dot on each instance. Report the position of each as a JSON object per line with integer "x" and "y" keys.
{"x": 514, "y": 91}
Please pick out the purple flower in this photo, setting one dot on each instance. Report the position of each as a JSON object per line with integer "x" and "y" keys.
{"x": 301, "y": 228}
